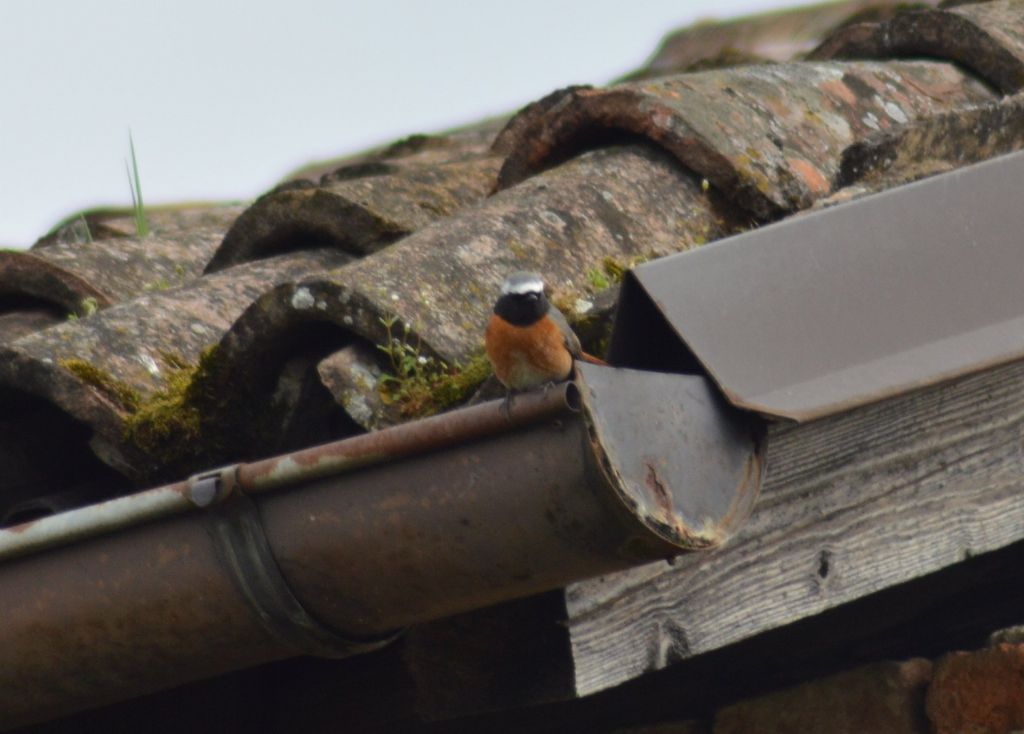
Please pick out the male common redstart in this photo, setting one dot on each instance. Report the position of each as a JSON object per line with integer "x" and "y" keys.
{"x": 528, "y": 340}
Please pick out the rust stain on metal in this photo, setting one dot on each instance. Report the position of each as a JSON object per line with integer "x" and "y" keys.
{"x": 749, "y": 487}
{"x": 445, "y": 514}
{"x": 680, "y": 459}
{"x": 662, "y": 496}
{"x": 408, "y": 438}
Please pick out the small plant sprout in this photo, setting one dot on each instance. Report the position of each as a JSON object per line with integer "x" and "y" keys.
{"x": 83, "y": 227}
{"x": 86, "y": 307}
{"x": 135, "y": 186}
{"x": 419, "y": 384}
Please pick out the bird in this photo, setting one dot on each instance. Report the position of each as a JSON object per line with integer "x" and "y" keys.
{"x": 528, "y": 341}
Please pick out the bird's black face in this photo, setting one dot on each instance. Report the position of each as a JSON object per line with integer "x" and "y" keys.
{"x": 522, "y": 309}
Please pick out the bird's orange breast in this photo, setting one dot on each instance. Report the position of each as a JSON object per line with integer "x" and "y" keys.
{"x": 525, "y": 357}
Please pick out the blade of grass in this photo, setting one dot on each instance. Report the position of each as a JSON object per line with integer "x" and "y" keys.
{"x": 135, "y": 186}
{"x": 84, "y": 228}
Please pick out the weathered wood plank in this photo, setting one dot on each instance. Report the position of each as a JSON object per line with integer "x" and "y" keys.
{"x": 852, "y": 504}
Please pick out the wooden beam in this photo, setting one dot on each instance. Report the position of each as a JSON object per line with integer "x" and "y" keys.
{"x": 852, "y": 504}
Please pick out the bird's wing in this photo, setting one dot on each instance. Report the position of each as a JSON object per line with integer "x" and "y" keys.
{"x": 572, "y": 342}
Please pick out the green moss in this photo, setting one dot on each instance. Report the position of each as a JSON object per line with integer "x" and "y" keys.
{"x": 167, "y": 424}
{"x": 194, "y": 419}
{"x": 460, "y": 383}
{"x": 183, "y": 424}
{"x": 160, "y": 284}
{"x": 597, "y": 279}
{"x": 124, "y": 395}
{"x": 86, "y": 307}
{"x": 616, "y": 269}
{"x": 564, "y": 299}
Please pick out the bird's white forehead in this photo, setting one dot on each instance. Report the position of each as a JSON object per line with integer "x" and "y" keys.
{"x": 520, "y": 283}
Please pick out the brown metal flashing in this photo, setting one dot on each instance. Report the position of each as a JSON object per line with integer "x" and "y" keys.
{"x": 356, "y": 209}
{"x": 853, "y": 304}
{"x": 770, "y": 137}
{"x": 987, "y": 38}
{"x": 472, "y": 509}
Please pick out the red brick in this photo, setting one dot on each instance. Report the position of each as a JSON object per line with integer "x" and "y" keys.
{"x": 979, "y": 692}
{"x": 690, "y": 726}
{"x": 887, "y": 698}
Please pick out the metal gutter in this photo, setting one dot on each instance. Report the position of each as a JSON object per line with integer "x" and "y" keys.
{"x": 330, "y": 550}
{"x": 214, "y": 486}
{"x": 837, "y": 308}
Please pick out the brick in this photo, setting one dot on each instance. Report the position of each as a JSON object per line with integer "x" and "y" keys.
{"x": 887, "y": 698}
{"x": 690, "y": 726}
{"x": 979, "y": 692}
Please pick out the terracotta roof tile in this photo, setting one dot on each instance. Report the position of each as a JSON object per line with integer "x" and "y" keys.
{"x": 77, "y": 271}
{"x": 466, "y": 142}
{"x": 231, "y": 334}
{"x": 770, "y": 137}
{"x": 985, "y": 38}
{"x": 98, "y": 369}
{"x": 358, "y": 209}
{"x": 296, "y": 297}
{"x": 927, "y": 147}
{"x": 167, "y": 220}
{"x": 439, "y": 280}
{"x": 778, "y": 36}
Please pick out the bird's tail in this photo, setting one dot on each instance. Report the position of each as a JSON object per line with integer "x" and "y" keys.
{"x": 592, "y": 359}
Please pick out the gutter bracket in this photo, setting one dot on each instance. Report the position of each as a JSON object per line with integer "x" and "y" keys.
{"x": 211, "y": 487}
{"x": 237, "y": 532}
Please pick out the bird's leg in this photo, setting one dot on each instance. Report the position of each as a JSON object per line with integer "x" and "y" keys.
{"x": 507, "y": 404}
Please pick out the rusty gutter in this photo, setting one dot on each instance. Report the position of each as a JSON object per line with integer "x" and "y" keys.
{"x": 333, "y": 458}
{"x": 332, "y": 550}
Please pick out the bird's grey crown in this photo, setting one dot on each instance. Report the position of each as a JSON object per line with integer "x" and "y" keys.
{"x": 522, "y": 283}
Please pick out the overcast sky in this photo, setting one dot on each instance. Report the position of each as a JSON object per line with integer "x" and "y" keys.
{"x": 223, "y": 98}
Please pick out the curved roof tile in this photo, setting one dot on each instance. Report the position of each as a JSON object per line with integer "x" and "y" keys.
{"x": 985, "y": 37}
{"x": 358, "y": 211}
{"x": 771, "y": 137}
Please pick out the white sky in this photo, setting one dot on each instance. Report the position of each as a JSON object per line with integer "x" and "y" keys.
{"x": 223, "y": 98}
